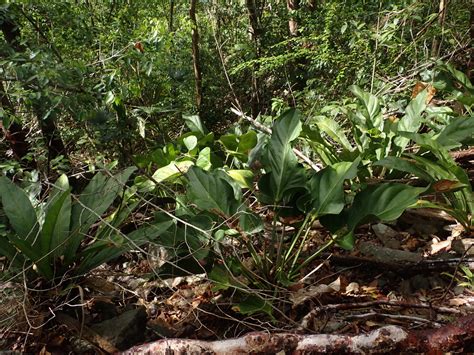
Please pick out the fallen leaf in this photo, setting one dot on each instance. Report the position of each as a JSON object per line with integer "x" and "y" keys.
{"x": 457, "y": 302}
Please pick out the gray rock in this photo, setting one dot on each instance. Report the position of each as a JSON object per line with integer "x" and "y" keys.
{"x": 125, "y": 330}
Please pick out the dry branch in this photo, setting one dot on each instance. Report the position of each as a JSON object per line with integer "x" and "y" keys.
{"x": 267, "y": 130}
{"x": 386, "y": 339}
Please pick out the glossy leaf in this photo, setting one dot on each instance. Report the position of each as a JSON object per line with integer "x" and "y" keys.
{"x": 209, "y": 191}
{"x": 194, "y": 123}
{"x": 327, "y": 192}
{"x": 454, "y": 134}
{"x": 19, "y": 210}
{"x": 384, "y": 202}
{"x": 370, "y": 115}
{"x": 55, "y": 230}
{"x": 411, "y": 121}
{"x": 285, "y": 173}
{"x": 204, "y": 159}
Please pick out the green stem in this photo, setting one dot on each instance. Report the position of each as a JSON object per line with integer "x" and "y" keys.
{"x": 295, "y": 239}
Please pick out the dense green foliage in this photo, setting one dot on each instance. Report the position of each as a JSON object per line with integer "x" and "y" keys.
{"x": 130, "y": 84}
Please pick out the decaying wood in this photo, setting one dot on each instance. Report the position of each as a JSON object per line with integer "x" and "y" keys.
{"x": 267, "y": 130}
{"x": 390, "y": 338}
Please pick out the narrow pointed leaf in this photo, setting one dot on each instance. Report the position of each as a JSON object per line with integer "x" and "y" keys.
{"x": 19, "y": 210}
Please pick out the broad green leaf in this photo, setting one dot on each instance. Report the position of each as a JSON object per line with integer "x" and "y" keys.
{"x": 204, "y": 159}
{"x": 385, "y": 202}
{"x": 333, "y": 130}
{"x": 33, "y": 253}
{"x": 172, "y": 171}
{"x": 370, "y": 115}
{"x": 8, "y": 250}
{"x": 243, "y": 177}
{"x": 454, "y": 134}
{"x": 347, "y": 241}
{"x": 427, "y": 142}
{"x": 221, "y": 173}
{"x": 285, "y": 172}
{"x": 190, "y": 142}
{"x": 254, "y": 304}
{"x": 247, "y": 142}
{"x": 327, "y": 190}
{"x": 405, "y": 164}
{"x": 411, "y": 122}
{"x": 209, "y": 191}
{"x": 230, "y": 142}
{"x": 20, "y": 212}
{"x": 250, "y": 222}
{"x": 194, "y": 123}
{"x": 55, "y": 229}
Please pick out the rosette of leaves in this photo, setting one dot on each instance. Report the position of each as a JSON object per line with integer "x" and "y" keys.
{"x": 53, "y": 245}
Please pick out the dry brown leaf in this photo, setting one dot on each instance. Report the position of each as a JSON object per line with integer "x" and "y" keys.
{"x": 419, "y": 87}
{"x": 304, "y": 294}
{"x": 457, "y": 302}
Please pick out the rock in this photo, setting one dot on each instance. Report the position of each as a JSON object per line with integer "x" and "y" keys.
{"x": 125, "y": 330}
{"x": 387, "y": 235}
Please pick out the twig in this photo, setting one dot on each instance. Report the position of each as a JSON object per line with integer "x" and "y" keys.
{"x": 346, "y": 306}
{"x": 373, "y": 315}
{"x": 267, "y": 130}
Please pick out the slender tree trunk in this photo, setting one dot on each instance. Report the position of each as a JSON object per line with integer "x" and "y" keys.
{"x": 293, "y": 5}
{"x": 436, "y": 45}
{"x": 312, "y": 5}
{"x": 171, "y": 17}
{"x": 196, "y": 57}
{"x": 255, "y": 32}
{"x": 470, "y": 66}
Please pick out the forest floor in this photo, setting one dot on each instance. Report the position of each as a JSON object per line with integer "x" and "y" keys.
{"x": 412, "y": 274}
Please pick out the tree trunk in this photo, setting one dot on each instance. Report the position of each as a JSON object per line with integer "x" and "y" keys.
{"x": 196, "y": 57}
{"x": 293, "y": 5}
{"x": 436, "y": 45}
{"x": 470, "y": 66}
{"x": 255, "y": 32}
{"x": 171, "y": 17}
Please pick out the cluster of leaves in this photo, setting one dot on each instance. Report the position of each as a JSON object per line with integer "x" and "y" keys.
{"x": 216, "y": 187}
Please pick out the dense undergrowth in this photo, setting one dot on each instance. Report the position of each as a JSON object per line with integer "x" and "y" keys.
{"x": 237, "y": 205}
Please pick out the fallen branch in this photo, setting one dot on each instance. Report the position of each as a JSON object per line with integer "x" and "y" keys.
{"x": 386, "y": 339}
{"x": 267, "y": 130}
{"x": 401, "y": 268}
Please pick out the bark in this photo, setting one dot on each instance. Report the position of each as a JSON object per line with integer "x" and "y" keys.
{"x": 470, "y": 66}
{"x": 312, "y": 4}
{"x": 171, "y": 17}
{"x": 255, "y": 32}
{"x": 436, "y": 45}
{"x": 293, "y": 5}
{"x": 196, "y": 57}
{"x": 456, "y": 336}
